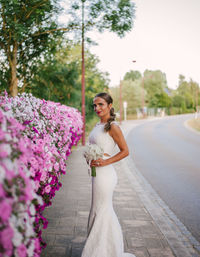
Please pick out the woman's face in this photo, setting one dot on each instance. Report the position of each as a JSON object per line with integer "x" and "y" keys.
{"x": 101, "y": 107}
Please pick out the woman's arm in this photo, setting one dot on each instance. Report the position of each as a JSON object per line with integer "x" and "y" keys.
{"x": 116, "y": 133}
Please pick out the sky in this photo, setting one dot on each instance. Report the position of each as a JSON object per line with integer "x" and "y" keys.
{"x": 165, "y": 36}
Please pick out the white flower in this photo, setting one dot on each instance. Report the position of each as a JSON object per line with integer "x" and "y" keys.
{"x": 29, "y": 230}
{"x": 30, "y": 250}
{"x": 17, "y": 238}
{"x": 32, "y": 209}
{"x": 8, "y": 163}
{"x": 2, "y": 174}
{"x": 6, "y": 148}
{"x": 93, "y": 152}
{"x": 8, "y": 137}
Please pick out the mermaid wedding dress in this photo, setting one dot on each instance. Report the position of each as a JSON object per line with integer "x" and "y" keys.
{"x": 104, "y": 234}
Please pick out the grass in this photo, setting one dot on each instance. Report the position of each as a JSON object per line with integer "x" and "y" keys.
{"x": 194, "y": 123}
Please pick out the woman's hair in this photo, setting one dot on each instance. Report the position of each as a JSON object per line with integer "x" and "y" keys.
{"x": 109, "y": 100}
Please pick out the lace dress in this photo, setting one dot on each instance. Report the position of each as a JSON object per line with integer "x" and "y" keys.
{"x": 104, "y": 238}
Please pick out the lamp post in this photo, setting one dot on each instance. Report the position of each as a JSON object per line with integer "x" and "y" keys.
{"x": 83, "y": 76}
{"x": 120, "y": 102}
{"x": 142, "y": 98}
{"x": 197, "y": 96}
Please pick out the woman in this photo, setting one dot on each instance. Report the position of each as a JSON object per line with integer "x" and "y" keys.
{"x": 104, "y": 237}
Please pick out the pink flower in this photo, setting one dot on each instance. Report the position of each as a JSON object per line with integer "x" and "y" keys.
{"x": 34, "y": 163}
{"x": 5, "y": 210}
{"x": 37, "y": 185}
{"x": 10, "y": 174}
{"x": 2, "y": 135}
{"x": 6, "y": 239}
{"x": 2, "y": 192}
{"x": 43, "y": 176}
{"x": 56, "y": 167}
{"x": 28, "y": 191}
{"x": 47, "y": 189}
{"x": 21, "y": 250}
{"x": 22, "y": 146}
{"x": 37, "y": 244}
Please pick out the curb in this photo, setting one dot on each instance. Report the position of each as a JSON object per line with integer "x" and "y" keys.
{"x": 181, "y": 241}
{"x": 190, "y": 128}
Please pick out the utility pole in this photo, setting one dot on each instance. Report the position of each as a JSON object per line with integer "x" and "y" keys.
{"x": 83, "y": 74}
{"x": 197, "y": 93}
{"x": 142, "y": 99}
{"x": 120, "y": 102}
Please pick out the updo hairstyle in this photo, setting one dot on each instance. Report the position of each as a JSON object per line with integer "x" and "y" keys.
{"x": 109, "y": 100}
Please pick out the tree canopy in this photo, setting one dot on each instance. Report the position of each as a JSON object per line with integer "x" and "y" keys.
{"x": 132, "y": 75}
{"x": 29, "y": 32}
{"x": 116, "y": 16}
{"x": 26, "y": 29}
{"x": 60, "y": 80}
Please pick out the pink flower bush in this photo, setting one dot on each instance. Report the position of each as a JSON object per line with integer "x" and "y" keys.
{"x": 17, "y": 189}
{"x": 36, "y": 137}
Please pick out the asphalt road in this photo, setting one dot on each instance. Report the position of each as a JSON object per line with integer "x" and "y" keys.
{"x": 168, "y": 156}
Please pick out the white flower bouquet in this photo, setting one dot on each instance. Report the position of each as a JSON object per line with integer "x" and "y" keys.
{"x": 93, "y": 152}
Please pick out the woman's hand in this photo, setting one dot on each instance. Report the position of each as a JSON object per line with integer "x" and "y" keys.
{"x": 98, "y": 163}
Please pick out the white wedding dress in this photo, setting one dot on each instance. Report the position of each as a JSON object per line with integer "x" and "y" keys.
{"x": 104, "y": 238}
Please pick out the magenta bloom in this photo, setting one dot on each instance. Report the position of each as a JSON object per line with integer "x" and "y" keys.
{"x": 5, "y": 210}
{"x": 35, "y": 130}
{"x": 6, "y": 240}
{"x": 32, "y": 151}
{"x": 21, "y": 250}
{"x": 27, "y": 122}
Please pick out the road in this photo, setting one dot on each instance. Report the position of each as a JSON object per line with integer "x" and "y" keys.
{"x": 168, "y": 156}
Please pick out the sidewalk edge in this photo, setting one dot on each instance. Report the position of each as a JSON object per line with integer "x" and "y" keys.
{"x": 179, "y": 238}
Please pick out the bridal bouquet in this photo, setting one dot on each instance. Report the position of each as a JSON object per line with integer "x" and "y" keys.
{"x": 93, "y": 152}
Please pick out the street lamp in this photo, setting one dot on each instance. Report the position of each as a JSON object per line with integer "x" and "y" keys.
{"x": 142, "y": 99}
{"x": 197, "y": 96}
{"x": 120, "y": 102}
{"x": 83, "y": 76}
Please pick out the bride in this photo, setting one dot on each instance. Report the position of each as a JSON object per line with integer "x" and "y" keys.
{"x": 104, "y": 234}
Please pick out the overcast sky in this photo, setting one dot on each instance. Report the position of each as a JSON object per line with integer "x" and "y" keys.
{"x": 166, "y": 36}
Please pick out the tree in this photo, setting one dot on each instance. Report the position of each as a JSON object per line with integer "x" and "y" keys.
{"x": 131, "y": 93}
{"x": 132, "y": 75}
{"x": 163, "y": 100}
{"x": 59, "y": 79}
{"x": 187, "y": 91}
{"x": 116, "y": 16}
{"x": 155, "y": 83}
{"x": 26, "y": 29}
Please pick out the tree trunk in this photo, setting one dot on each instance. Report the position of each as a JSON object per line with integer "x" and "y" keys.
{"x": 13, "y": 66}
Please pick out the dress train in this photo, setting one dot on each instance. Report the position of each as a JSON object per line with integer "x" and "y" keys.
{"x": 104, "y": 238}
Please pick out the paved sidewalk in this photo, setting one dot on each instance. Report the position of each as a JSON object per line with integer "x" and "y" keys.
{"x": 149, "y": 228}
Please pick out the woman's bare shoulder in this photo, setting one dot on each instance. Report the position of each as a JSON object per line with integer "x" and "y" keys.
{"x": 115, "y": 128}
{"x": 114, "y": 123}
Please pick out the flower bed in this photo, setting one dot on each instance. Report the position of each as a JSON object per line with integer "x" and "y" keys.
{"x": 36, "y": 137}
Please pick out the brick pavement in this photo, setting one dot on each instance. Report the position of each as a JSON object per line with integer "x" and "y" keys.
{"x": 149, "y": 229}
